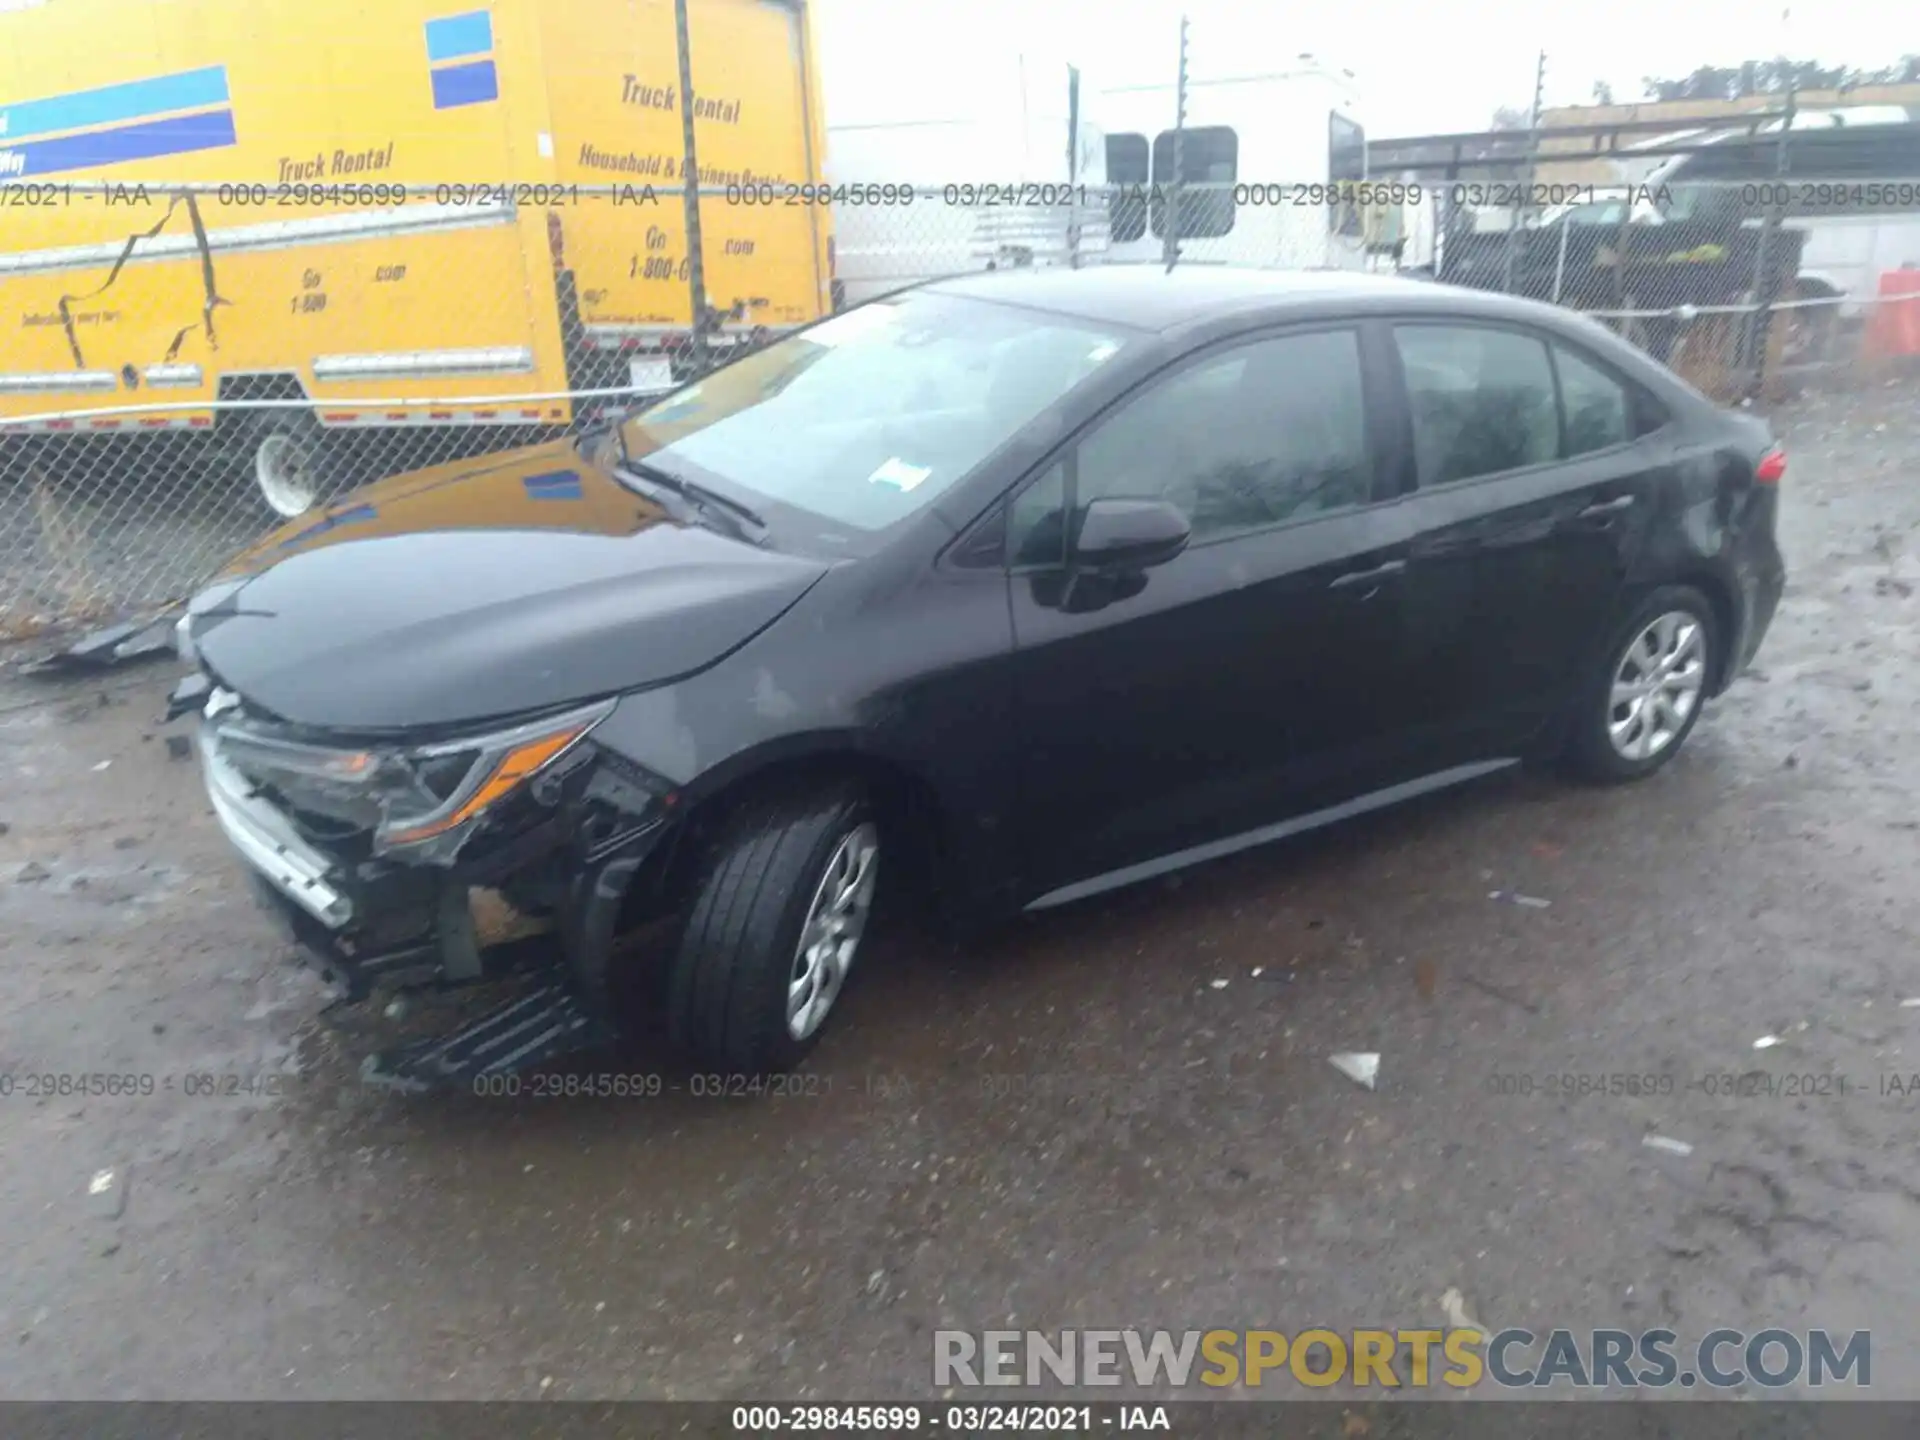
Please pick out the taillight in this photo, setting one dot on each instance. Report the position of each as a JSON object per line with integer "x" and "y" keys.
{"x": 556, "y": 240}
{"x": 1772, "y": 467}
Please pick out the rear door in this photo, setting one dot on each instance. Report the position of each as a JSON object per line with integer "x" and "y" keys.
{"x": 1536, "y": 475}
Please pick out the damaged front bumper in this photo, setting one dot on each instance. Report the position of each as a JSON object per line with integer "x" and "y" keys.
{"x": 573, "y": 855}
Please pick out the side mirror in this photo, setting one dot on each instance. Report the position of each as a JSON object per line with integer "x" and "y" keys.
{"x": 1122, "y": 535}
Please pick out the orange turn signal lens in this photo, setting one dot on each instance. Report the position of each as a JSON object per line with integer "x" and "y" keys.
{"x": 516, "y": 765}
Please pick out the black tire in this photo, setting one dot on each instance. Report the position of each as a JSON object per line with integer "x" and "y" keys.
{"x": 1591, "y": 754}
{"x": 728, "y": 982}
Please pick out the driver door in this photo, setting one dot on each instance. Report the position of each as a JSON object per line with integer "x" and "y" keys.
{"x": 1173, "y": 707}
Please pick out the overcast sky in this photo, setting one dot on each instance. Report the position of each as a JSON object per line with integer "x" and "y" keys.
{"x": 1422, "y": 67}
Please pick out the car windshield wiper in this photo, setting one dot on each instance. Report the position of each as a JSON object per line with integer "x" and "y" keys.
{"x": 741, "y": 519}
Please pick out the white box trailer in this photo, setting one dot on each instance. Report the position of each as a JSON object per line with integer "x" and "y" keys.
{"x": 1267, "y": 158}
{"x": 999, "y": 148}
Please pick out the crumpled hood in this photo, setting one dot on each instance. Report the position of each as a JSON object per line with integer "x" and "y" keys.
{"x": 480, "y": 590}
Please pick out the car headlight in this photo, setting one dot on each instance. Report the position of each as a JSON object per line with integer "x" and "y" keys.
{"x": 420, "y": 800}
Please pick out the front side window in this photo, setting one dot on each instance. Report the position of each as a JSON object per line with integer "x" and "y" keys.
{"x": 865, "y": 418}
{"x": 1346, "y": 165}
{"x": 1127, "y": 165}
{"x": 1596, "y": 212}
{"x": 1259, "y": 435}
{"x": 1483, "y": 401}
{"x": 1209, "y": 164}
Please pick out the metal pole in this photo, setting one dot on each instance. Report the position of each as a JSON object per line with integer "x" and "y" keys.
{"x": 1172, "y": 206}
{"x": 690, "y": 189}
{"x": 1759, "y": 318}
{"x": 1533, "y": 157}
{"x": 1073, "y": 167}
{"x": 1560, "y": 260}
{"x": 802, "y": 39}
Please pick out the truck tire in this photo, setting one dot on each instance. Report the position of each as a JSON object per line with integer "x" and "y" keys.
{"x": 292, "y": 463}
{"x": 776, "y": 922}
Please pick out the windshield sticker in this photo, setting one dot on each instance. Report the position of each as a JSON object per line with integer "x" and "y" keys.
{"x": 1102, "y": 352}
{"x": 899, "y": 474}
{"x": 853, "y": 325}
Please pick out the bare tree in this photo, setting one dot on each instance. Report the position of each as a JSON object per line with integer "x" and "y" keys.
{"x": 1776, "y": 77}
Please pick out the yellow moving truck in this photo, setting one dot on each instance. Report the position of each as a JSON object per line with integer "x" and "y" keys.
{"x": 390, "y": 201}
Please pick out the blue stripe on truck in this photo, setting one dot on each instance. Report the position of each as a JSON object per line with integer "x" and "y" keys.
{"x": 456, "y": 36}
{"x": 554, "y": 485}
{"x": 473, "y": 84}
{"x": 111, "y": 104}
{"x": 181, "y": 135}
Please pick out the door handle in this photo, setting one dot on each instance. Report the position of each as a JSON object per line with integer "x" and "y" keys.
{"x": 1368, "y": 577}
{"x": 1600, "y": 510}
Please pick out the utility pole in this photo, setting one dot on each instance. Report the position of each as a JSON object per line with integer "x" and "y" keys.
{"x": 1765, "y": 281}
{"x": 1175, "y": 202}
{"x": 1533, "y": 160}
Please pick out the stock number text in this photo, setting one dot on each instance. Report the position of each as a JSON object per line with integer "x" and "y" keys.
{"x": 787, "y": 192}
{"x": 295, "y": 195}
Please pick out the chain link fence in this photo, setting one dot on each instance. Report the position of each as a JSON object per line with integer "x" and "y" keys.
{"x": 189, "y": 367}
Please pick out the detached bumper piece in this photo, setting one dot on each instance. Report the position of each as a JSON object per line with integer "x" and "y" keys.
{"x": 541, "y": 1026}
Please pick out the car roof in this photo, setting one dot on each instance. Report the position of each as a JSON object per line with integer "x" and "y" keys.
{"x": 1149, "y": 297}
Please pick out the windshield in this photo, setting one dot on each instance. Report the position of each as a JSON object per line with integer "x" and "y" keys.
{"x": 866, "y": 417}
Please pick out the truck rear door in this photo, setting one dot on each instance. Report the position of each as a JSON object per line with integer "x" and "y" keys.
{"x": 614, "y": 97}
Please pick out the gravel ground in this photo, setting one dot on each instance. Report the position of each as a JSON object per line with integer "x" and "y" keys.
{"x": 1119, "y": 1114}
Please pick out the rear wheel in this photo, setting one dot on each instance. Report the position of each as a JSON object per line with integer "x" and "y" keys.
{"x": 293, "y": 463}
{"x": 775, "y": 927}
{"x": 1644, "y": 697}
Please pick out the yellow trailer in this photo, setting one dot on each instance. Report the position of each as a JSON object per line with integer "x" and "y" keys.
{"x": 368, "y": 207}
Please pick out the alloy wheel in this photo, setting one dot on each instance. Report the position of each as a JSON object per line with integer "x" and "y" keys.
{"x": 830, "y": 935}
{"x": 1658, "y": 683}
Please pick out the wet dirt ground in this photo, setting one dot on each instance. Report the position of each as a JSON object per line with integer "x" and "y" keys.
{"x": 1121, "y": 1114}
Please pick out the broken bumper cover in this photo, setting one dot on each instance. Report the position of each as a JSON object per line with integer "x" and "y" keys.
{"x": 574, "y": 854}
{"x": 281, "y": 859}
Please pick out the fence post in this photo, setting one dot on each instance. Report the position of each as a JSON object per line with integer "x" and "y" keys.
{"x": 1533, "y": 159}
{"x": 1760, "y": 317}
{"x": 1073, "y": 167}
{"x": 1174, "y": 202}
{"x": 1629, "y": 326}
{"x": 690, "y": 190}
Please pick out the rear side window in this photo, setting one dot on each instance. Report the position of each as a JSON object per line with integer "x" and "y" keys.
{"x": 1127, "y": 164}
{"x": 1483, "y": 401}
{"x": 1209, "y": 161}
{"x": 1599, "y": 409}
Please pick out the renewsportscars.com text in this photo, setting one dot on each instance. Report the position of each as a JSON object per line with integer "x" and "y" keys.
{"x": 1392, "y": 1359}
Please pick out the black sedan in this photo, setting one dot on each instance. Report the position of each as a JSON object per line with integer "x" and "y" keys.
{"x": 1011, "y": 589}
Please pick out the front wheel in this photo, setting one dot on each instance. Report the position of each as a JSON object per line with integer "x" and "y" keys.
{"x": 774, "y": 929}
{"x": 1645, "y": 696}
